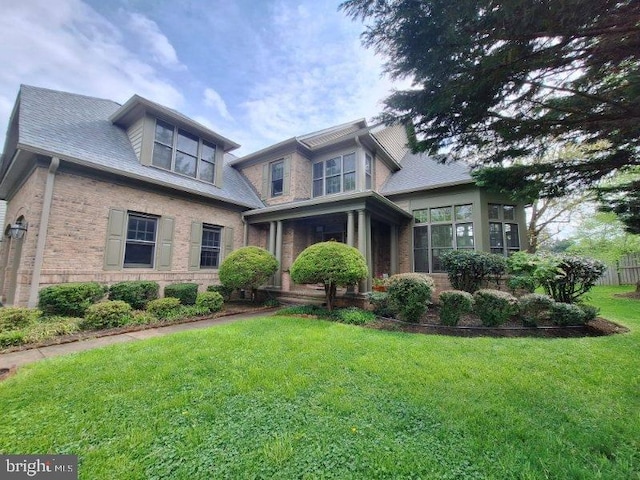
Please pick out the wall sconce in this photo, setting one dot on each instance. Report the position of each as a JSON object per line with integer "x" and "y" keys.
{"x": 17, "y": 230}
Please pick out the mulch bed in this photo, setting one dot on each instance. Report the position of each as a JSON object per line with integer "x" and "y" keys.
{"x": 633, "y": 295}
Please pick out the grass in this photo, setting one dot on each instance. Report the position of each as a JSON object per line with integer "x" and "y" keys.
{"x": 285, "y": 397}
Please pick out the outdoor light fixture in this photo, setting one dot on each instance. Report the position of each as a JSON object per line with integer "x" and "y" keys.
{"x": 17, "y": 230}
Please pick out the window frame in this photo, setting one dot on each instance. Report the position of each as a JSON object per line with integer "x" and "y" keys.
{"x": 176, "y": 150}
{"x": 211, "y": 249}
{"x": 153, "y": 244}
{"x": 503, "y": 220}
{"x": 272, "y": 180}
{"x": 341, "y": 174}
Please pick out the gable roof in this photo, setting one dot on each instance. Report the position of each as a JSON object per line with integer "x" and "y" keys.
{"x": 421, "y": 172}
{"x": 78, "y": 129}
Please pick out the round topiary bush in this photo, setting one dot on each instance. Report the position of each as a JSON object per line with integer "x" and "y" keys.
{"x": 163, "y": 307}
{"x": 247, "y": 268}
{"x": 136, "y": 293}
{"x": 109, "y": 314}
{"x": 70, "y": 299}
{"x": 468, "y": 269}
{"x": 494, "y": 307}
{"x": 410, "y": 295}
{"x": 535, "y": 308}
{"x": 454, "y": 304}
{"x": 331, "y": 263}
{"x": 211, "y": 301}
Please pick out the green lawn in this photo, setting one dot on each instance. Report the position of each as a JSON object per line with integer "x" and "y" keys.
{"x": 283, "y": 397}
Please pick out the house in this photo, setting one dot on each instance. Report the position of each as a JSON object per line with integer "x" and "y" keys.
{"x": 108, "y": 192}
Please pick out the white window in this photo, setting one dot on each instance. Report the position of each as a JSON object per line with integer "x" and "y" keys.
{"x": 334, "y": 175}
{"x": 140, "y": 245}
{"x": 277, "y": 178}
{"x": 210, "y": 246}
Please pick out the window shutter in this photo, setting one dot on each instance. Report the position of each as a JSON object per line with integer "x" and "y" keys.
{"x": 195, "y": 245}
{"x": 228, "y": 241}
{"x": 116, "y": 231}
{"x": 265, "y": 182}
{"x": 286, "y": 177}
{"x": 165, "y": 243}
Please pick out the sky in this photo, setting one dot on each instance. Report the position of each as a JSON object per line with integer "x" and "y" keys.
{"x": 257, "y": 72}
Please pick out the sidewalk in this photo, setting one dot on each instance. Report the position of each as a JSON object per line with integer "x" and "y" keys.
{"x": 17, "y": 359}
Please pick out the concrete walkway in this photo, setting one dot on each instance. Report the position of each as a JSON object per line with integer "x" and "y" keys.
{"x": 17, "y": 359}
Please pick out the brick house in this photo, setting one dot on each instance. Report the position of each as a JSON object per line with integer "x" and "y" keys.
{"x": 100, "y": 191}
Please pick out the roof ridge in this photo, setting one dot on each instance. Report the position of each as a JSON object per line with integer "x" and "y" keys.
{"x": 91, "y": 97}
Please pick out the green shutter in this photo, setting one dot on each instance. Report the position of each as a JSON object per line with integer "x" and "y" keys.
{"x": 116, "y": 231}
{"x": 286, "y": 180}
{"x": 228, "y": 241}
{"x": 195, "y": 245}
{"x": 265, "y": 182}
{"x": 165, "y": 243}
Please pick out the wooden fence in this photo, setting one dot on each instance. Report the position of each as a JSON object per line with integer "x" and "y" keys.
{"x": 624, "y": 272}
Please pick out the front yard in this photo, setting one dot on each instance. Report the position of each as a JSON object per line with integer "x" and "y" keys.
{"x": 285, "y": 397}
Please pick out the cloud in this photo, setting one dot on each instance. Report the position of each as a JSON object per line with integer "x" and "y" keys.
{"x": 154, "y": 41}
{"x": 66, "y": 45}
{"x": 214, "y": 100}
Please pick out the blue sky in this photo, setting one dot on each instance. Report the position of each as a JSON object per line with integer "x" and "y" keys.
{"x": 257, "y": 72}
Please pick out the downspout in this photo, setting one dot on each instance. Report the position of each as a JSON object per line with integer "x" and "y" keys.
{"x": 245, "y": 231}
{"x": 42, "y": 231}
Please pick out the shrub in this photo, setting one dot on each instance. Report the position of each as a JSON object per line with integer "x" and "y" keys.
{"x": 454, "y": 304}
{"x": 12, "y": 338}
{"x": 565, "y": 278}
{"x": 331, "y": 263}
{"x": 186, "y": 311}
{"x": 212, "y": 301}
{"x": 380, "y": 303}
{"x": 590, "y": 312}
{"x": 271, "y": 302}
{"x": 136, "y": 293}
{"x": 564, "y": 314}
{"x": 109, "y": 314}
{"x": 185, "y": 292}
{"x": 15, "y": 318}
{"x": 468, "y": 269}
{"x": 51, "y": 328}
{"x": 494, "y": 307}
{"x": 247, "y": 268}
{"x": 70, "y": 299}
{"x": 163, "y": 307}
{"x": 534, "y": 308}
{"x": 222, "y": 290}
{"x": 410, "y": 294}
{"x": 141, "y": 317}
{"x": 353, "y": 316}
{"x": 521, "y": 266}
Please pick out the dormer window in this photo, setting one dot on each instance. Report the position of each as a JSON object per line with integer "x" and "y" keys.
{"x": 180, "y": 151}
{"x": 334, "y": 175}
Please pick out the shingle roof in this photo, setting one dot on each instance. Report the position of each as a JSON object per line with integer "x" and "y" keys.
{"x": 421, "y": 172}
{"x": 77, "y": 127}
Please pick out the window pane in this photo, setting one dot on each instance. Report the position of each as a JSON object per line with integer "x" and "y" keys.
{"x": 206, "y": 171}
{"x": 437, "y": 255}
{"x": 276, "y": 188}
{"x": 367, "y": 163}
{"x": 349, "y": 181}
{"x": 332, "y": 167}
{"x": 349, "y": 162}
{"x": 509, "y": 212}
{"x": 495, "y": 236}
{"x": 187, "y": 143}
{"x": 141, "y": 228}
{"x": 164, "y": 133}
{"x": 140, "y": 245}
{"x": 367, "y": 181}
{"x": 209, "y": 258}
{"x": 211, "y": 237}
{"x": 421, "y": 237}
{"x": 464, "y": 212}
{"x": 333, "y": 185}
{"x": 317, "y": 170}
{"x": 208, "y": 152}
{"x": 442, "y": 236}
{"x": 210, "y": 250}
{"x": 464, "y": 235}
{"x": 441, "y": 214}
{"x": 317, "y": 188}
{"x": 511, "y": 236}
{"x": 161, "y": 156}
{"x": 138, "y": 255}
{"x": 494, "y": 211}
{"x": 421, "y": 216}
{"x": 185, "y": 164}
{"x": 277, "y": 170}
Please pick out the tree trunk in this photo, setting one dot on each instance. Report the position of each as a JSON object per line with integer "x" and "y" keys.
{"x": 638, "y": 287}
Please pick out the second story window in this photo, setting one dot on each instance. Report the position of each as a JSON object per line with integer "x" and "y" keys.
{"x": 277, "y": 178}
{"x": 368, "y": 171}
{"x": 184, "y": 153}
{"x": 335, "y": 175}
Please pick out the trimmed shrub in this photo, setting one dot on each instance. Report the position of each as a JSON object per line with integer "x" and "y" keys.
{"x": 380, "y": 303}
{"x": 494, "y": 307}
{"x": 141, "y": 317}
{"x": 53, "y": 327}
{"x": 212, "y": 301}
{"x": 222, "y": 290}
{"x": 15, "y": 318}
{"x": 136, "y": 293}
{"x": 109, "y": 314}
{"x": 590, "y": 312}
{"x": 12, "y": 338}
{"x": 353, "y": 316}
{"x": 454, "y": 304}
{"x": 247, "y": 268}
{"x": 70, "y": 299}
{"x": 410, "y": 294}
{"x": 468, "y": 270}
{"x": 535, "y": 308}
{"x": 331, "y": 263}
{"x": 565, "y": 278}
{"x": 162, "y": 308}
{"x": 185, "y": 292}
{"x": 564, "y": 314}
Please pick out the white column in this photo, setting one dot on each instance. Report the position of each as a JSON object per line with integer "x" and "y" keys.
{"x": 362, "y": 244}
{"x": 278, "y": 253}
{"x": 271, "y": 246}
{"x": 351, "y": 230}
{"x": 394, "y": 250}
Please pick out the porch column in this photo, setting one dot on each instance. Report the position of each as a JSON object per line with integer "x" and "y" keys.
{"x": 278, "y": 253}
{"x": 394, "y": 250}
{"x": 362, "y": 244}
{"x": 271, "y": 246}
{"x": 351, "y": 229}
{"x": 369, "y": 255}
